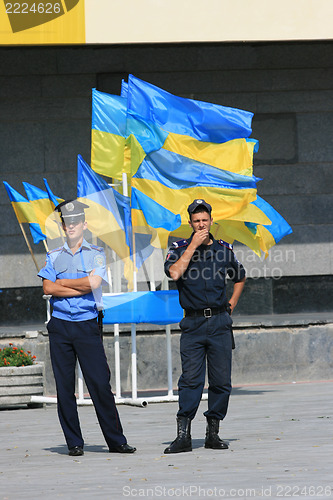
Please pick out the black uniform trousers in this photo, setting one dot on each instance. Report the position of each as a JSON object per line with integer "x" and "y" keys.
{"x": 69, "y": 341}
{"x": 205, "y": 339}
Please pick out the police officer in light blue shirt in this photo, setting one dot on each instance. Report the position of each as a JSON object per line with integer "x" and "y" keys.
{"x": 199, "y": 266}
{"x": 73, "y": 275}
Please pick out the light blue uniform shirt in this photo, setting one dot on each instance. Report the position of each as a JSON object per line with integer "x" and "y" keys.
{"x": 62, "y": 264}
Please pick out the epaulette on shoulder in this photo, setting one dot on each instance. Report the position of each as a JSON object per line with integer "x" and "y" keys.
{"x": 180, "y": 243}
{"x": 54, "y": 250}
{"x": 225, "y": 244}
{"x": 95, "y": 247}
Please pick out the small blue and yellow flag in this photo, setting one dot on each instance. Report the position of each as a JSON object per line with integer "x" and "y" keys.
{"x": 53, "y": 199}
{"x": 43, "y": 208}
{"x": 25, "y": 212}
{"x": 108, "y": 215}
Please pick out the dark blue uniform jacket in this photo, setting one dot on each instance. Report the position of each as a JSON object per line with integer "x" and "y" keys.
{"x": 204, "y": 282}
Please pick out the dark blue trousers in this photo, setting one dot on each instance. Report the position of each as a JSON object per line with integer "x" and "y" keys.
{"x": 205, "y": 340}
{"x": 69, "y": 341}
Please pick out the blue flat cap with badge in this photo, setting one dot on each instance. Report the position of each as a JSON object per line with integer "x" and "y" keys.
{"x": 72, "y": 211}
{"x": 197, "y": 203}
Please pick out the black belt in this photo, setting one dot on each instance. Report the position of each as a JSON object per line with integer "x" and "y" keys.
{"x": 206, "y": 313}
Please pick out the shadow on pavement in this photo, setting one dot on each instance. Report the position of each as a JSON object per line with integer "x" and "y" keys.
{"x": 63, "y": 450}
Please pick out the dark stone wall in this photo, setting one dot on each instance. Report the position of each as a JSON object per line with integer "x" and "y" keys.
{"x": 45, "y": 121}
{"x": 22, "y": 306}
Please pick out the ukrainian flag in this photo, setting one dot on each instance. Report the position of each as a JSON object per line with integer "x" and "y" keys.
{"x": 174, "y": 181}
{"x": 121, "y": 139}
{"x": 24, "y": 212}
{"x": 208, "y": 133}
{"x": 109, "y": 218}
{"x": 203, "y": 138}
{"x": 181, "y": 149}
{"x": 108, "y": 135}
{"x": 108, "y": 215}
{"x": 118, "y": 142}
{"x": 53, "y": 199}
{"x": 258, "y": 237}
{"x": 200, "y": 120}
{"x": 202, "y": 142}
{"x": 43, "y": 208}
{"x": 149, "y": 217}
{"x": 270, "y": 234}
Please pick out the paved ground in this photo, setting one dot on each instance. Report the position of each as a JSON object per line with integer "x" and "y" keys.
{"x": 280, "y": 438}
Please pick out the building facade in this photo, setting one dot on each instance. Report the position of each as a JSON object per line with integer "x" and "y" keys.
{"x": 45, "y": 121}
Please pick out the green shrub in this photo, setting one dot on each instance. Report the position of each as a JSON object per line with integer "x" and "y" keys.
{"x": 14, "y": 356}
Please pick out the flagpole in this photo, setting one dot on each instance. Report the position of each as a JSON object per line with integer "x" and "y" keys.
{"x": 152, "y": 272}
{"x": 29, "y": 246}
{"x": 117, "y": 289}
{"x": 133, "y": 325}
{"x": 165, "y": 286}
{"x": 125, "y": 193}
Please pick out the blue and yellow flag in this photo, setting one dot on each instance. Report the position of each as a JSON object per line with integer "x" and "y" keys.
{"x": 121, "y": 139}
{"x": 53, "y": 199}
{"x": 208, "y": 133}
{"x": 258, "y": 237}
{"x": 108, "y": 135}
{"x": 149, "y": 135}
{"x": 43, "y": 208}
{"x": 200, "y": 120}
{"x": 119, "y": 142}
{"x": 149, "y": 217}
{"x": 108, "y": 215}
{"x": 24, "y": 212}
{"x": 155, "y": 214}
{"x": 207, "y": 154}
{"x": 174, "y": 181}
{"x": 270, "y": 234}
{"x": 181, "y": 149}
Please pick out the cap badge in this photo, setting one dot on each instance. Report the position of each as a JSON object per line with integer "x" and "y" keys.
{"x": 69, "y": 207}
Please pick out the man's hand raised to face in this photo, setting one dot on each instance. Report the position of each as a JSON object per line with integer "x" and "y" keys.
{"x": 200, "y": 236}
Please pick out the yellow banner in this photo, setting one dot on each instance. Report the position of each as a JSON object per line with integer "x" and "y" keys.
{"x": 42, "y": 22}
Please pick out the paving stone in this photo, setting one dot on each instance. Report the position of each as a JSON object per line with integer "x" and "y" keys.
{"x": 279, "y": 439}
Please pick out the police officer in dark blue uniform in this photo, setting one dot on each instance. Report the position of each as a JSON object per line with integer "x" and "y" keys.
{"x": 200, "y": 265}
{"x": 73, "y": 275}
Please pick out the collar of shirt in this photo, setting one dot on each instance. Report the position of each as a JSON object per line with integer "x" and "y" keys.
{"x": 85, "y": 244}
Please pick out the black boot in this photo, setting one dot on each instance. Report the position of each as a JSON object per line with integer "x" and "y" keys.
{"x": 212, "y": 435}
{"x": 183, "y": 441}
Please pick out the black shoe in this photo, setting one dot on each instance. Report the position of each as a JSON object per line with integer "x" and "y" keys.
{"x": 216, "y": 444}
{"x": 183, "y": 441}
{"x": 123, "y": 448}
{"x": 76, "y": 451}
{"x": 213, "y": 440}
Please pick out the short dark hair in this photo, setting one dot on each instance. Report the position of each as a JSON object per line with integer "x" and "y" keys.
{"x": 200, "y": 209}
